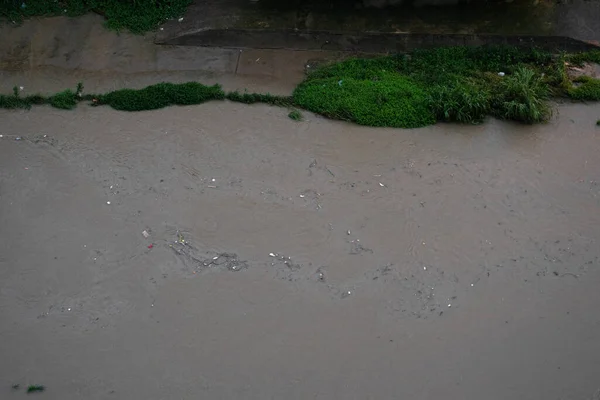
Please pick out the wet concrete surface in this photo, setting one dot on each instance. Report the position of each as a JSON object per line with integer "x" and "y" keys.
{"x": 293, "y": 260}
{"x": 269, "y": 24}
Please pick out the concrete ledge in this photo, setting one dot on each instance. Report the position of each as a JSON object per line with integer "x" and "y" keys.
{"x": 368, "y": 42}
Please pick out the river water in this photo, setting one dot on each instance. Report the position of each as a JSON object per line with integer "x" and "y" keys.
{"x": 226, "y": 251}
{"x": 301, "y": 260}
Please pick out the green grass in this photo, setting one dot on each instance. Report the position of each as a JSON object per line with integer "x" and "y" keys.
{"x": 161, "y": 95}
{"x": 251, "y": 98}
{"x": 295, "y": 115}
{"x": 455, "y": 84}
{"x": 598, "y": 122}
{"x": 588, "y": 89}
{"x": 523, "y": 97}
{"x": 394, "y": 100}
{"x": 137, "y": 16}
{"x": 36, "y": 388}
{"x": 592, "y": 56}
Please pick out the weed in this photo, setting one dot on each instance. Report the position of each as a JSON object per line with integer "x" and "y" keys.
{"x": 458, "y": 84}
{"x": 460, "y": 101}
{"x": 138, "y": 16}
{"x": 461, "y": 84}
{"x": 12, "y": 102}
{"x": 295, "y": 115}
{"x": 598, "y": 122}
{"x": 523, "y": 97}
{"x": 588, "y": 89}
{"x": 161, "y": 95}
{"x": 579, "y": 59}
{"x": 66, "y": 100}
{"x": 251, "y": 98}
{"x": 36, "y": 388}
{"x": 388, "y": 99}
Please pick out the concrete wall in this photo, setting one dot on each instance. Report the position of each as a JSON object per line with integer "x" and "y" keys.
{"x": 368, "y": 42}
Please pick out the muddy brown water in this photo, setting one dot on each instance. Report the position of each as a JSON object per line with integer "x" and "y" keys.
{"x": 446, "y": 262}
{"x": 311, "y": 260}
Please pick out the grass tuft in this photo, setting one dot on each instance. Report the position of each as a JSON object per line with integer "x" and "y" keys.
{"x": 65, "y": 100}
{"x": 161, "y": 95}
{"x": 588, "y": 89}
{"x": 252, "y": 98}
{"x": 13, "y": 102}
{"x": 579, "y": 59}
{"x": 460, "y": 101}
{"x": 523, "y": 97}
{"x": 295, "y": 115}
{"x": 36, "y": 388}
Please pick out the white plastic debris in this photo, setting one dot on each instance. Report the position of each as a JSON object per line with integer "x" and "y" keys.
{"x": 302, "y": 196}
{"x": 272, "y": 255}
{"x": 145, "y": 234}
{"x": 449, "y": 305}
{"x": 108, "y": 202}
{"x": 21, "y": 88}
{"x": 501, "y": 74}
{"x": 180, "y": 19}
{"x": 381, "y": 184}
{"x": 424, "y": 268}
{"x": 216, "y": 257}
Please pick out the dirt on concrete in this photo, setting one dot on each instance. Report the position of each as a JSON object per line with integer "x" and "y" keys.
{"x": 226, "y": 251}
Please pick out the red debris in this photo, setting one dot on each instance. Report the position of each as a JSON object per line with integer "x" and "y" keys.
{"x": 150, "y": 246}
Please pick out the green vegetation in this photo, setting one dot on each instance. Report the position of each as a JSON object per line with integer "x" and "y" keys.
{"x": 160, "y": 95}
{"x": 456, "y": 84}
{"x": 522, "y": 97}
{"x": 138, "y": 16}
{"x": 295, "y": 115}
{"x": 251, "y": 98}
{"x": 587, "y": 90}
{"x": 35, "y": 388}
{"x": 581, "y": 58}
{"x": 598, "y": 122}
{"x": 392, "y": 100}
